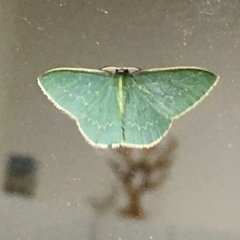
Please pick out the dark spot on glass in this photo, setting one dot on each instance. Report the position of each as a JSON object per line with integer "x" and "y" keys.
{"x": 20, "y": 175}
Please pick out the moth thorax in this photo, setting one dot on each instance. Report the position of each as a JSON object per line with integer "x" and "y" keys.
{"x": 114, "y": 70}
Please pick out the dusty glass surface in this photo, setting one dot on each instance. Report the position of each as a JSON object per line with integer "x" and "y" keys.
{"x": 56, "y": 186}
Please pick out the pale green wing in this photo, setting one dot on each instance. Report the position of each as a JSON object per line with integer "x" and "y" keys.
{"x": 142, "y": 123}
{"x": 89, "y": 97}
{"x": 153, "y": 98}
{"x": 175, "y": 90}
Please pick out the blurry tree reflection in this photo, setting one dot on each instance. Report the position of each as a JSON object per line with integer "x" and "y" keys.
{"x": 140, "y": 171}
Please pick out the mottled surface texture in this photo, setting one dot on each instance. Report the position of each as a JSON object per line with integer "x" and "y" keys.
{"x": 128, "y": 109}
{"x": 200, "y": 197}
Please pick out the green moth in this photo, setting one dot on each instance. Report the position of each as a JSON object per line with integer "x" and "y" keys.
{"x": 126, "y": 106}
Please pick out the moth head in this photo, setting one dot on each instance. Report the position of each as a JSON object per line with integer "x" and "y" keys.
{"x": 115, "y": 70}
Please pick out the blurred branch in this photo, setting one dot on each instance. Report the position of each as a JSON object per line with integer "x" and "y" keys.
{"x": 141, "y": 174}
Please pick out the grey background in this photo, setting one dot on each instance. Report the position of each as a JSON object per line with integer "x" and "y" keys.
{"x": 200, "y": 198}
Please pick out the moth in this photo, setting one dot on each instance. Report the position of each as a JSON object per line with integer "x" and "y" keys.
{"x": 126, "y": 106}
